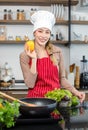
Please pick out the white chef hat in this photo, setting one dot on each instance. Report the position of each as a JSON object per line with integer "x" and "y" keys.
{"x": 42, "y": 19}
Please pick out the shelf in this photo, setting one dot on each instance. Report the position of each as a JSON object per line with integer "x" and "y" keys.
{"x": 13, "y": 22}
{"x": 61, "y": 22}
{"x": 65, "y": 2}
{"x": 22, "y": 42}
{"x": 27, "y": 22}
{"x": 78, "y": 42}
{"x": 79, "y": 22}
{"x": 12, "y": 42}
{"x": 60, "y": 42}
{"x": 37, "y": 2}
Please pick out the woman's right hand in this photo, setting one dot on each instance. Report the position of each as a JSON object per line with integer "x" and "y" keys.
{"x": 31, "y": 54}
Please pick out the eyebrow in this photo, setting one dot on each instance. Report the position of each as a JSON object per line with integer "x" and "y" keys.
{"x": 43, "y": 29}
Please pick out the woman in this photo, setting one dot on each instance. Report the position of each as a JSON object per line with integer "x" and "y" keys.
{"x": 43, "y": 69}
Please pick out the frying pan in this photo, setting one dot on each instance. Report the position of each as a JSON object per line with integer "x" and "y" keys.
{"x": 44, "y": 106}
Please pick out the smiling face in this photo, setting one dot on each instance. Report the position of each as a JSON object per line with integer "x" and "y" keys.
{"x": 42, "y": 36}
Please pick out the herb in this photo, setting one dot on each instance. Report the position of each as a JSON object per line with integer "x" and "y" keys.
{"x": 8, "y": 112}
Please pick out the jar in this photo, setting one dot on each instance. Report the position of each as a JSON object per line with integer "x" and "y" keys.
{"x": 52, "y": 37}
{"x": 10, "y": 38}
{"x": 9, "y": 15}
{"x": 18, "y": 14}
{"x": 85, "y": 38}
{"x": 57, "y": 36}
{"x": 5, "y": 14}
{"x": 23, "y": 15}
{"x": 18, "y": 38}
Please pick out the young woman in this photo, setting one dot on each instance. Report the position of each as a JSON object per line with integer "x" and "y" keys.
{"x": 43, "y": 69}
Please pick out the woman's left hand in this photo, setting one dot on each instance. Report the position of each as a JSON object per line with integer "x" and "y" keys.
{"x": 81, "y": 96}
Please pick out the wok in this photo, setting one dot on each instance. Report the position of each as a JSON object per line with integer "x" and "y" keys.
{"x": 44, "y": 106}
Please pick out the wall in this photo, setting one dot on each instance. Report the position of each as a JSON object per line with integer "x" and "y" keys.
{"x": 78, "y": 50}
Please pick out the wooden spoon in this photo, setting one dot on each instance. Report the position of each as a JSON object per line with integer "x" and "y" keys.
{"x": 12, "y": 98}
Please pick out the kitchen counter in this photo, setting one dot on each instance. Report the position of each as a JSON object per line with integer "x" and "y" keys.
{"x": 19, "y": 90}
{"x": 36, "y": 123}
{"x": 77, "y": 118}
{"x": 17, "y": 86}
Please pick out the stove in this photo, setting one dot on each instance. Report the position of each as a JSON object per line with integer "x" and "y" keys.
{"x": 36, "y": 123}
{"x": 32, "y": 120}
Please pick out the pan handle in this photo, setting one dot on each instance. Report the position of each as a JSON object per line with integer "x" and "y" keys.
{"x": 13, "y": 99}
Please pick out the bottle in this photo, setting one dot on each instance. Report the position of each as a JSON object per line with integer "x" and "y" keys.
{"x": 52, "y": 37}
{"x": 13, "y": 81}
{"x": 31, "y": 12}
{"x": 18, "y": 14}
{"x": 23, "y": 15}
{"x": 84, "y": 74}
{"x": 57, "y": 36}
{"x": 9, "y": 15}
{"x": 71, "y": 75}
{"x": 5, "y": 14}
{"x": 77, "y": 78}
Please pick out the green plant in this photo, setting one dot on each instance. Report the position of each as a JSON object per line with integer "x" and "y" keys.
{"x": 8, "y": 113}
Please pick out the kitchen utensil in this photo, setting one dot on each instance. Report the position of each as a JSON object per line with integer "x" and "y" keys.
{"x": 12, "y": 98}
{"x": 44, "y": 106}
{"x": 84, "y": 74}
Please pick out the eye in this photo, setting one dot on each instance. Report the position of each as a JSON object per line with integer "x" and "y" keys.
{"x": 40, "y": 31}
{"x": 48, "y": 32}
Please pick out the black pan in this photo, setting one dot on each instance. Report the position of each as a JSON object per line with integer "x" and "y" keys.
{"x": 44, "y": 106}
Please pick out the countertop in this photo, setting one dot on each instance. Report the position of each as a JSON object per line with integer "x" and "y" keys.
{"x": 17, "y": 86}
{"x": 78, "y": 118}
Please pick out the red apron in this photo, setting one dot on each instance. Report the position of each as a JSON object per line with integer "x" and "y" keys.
{"x": 47, "y": 78}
